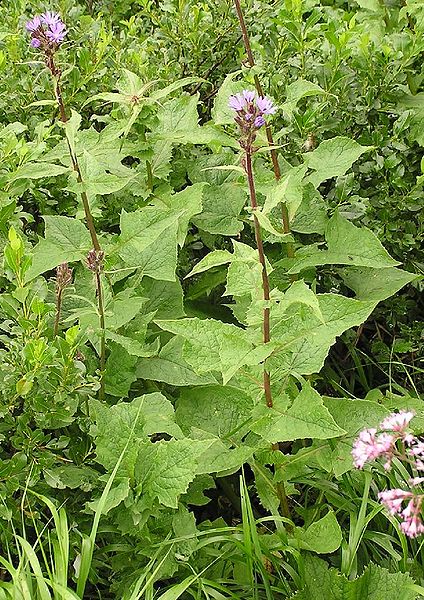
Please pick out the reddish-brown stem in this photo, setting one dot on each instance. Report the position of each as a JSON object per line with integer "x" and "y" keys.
{"x": 76, "y": 167}
{"x": 265, "y": 280}
{"x": 58, "y": 311}
{"x": 89, "y": 219}
{"x": 274, "y": 158}
{"x": 102, "y": 335}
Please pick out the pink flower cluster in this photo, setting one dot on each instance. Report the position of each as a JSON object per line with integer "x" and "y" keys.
{"x": 372, "y": 444}
{"x": 47, "y": 31}
{"x": 383, "y": 443}
{"x": 411, "y": 524}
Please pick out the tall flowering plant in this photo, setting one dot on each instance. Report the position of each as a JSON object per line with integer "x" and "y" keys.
{"x": 47, "y": 32}
{"x": 250, "y": 112}
{"x": 393, "y": 439}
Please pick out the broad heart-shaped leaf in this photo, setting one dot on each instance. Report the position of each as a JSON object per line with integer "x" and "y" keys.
{"x": 153, "y": 413}
{"x": 148, "y": 241}
{"x": 215, "y": 346}
{"x": 307, "y": 417}
{"x": 322, "y": 536}
{"x": 222, "y": 205}
{"x": 66, "y": 240}
{"x": 376, "y": 583}
{"x": 347, "y": 245}
{"x": 333, "y": 158}
{"x": 170, "y": 367}
{"x": 120, "y": 371}
{"x": 165, "y": 469}
{"x": 186, "y": 203}
{"x": 245, "y": 272}
{"x": 311, "y": 216}
{"x": 165, "y": 298}
{"x": 376, "y": 284}
{"x": 353, "y": 416}
{"x": 220, "y": 410}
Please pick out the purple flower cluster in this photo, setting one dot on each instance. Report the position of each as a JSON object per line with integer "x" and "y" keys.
{"x": 47, "y": 31}
{"x": 383, "y": 443}
{"x": 250, "y": 109}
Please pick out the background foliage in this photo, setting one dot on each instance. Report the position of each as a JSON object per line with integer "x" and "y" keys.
{"x": 183, "y": 440}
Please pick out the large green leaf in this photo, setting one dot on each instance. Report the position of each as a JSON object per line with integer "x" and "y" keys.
{"x": 214, "y": 346}
{"x": 303, "y": 338}
{"x": 376, "y": 284}
{"x": 170, "y": 367}
{"x": 222, "y": 205}
{"x": 333, "y": 158}
{"x": 66, "y": 240}
{"x": 306, "y": 417}
{"x": 165, "y": 469}
{"x": 322, "y": 536}
{"x": 148, "y": 241}
{"x": 222, "y": 114}
{"x": 187, "y": 204}
{"x": 113, "y": 426}
{"x": 220, "y": 410}
{"x": 346, "y": 245}
{"x": 376, "y": 583}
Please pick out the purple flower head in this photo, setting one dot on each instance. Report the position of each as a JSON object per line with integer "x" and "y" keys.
{"x": 50, "y": 18}
{"x": 57, "y": 32}
{"x": 259, "y": 121}
{"x": 237, "y": 102}
{"x": 265, "y": 105}
{"x": 47, "y": 31}
{"x": 392, "y": 499}
{"x": 249, "y": 95}
{"x": 33, "y": 24}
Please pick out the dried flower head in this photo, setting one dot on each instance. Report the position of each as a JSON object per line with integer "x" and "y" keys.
{"x": 95, "y": 260}
{"x": 63, "y": 276}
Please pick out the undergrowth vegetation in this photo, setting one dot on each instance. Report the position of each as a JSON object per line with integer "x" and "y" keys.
{"x": 211, "y": 284}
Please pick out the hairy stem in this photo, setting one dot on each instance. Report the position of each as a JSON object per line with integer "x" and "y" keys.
{"x": 274, "y": 158}
{"x": 265, "y": 280}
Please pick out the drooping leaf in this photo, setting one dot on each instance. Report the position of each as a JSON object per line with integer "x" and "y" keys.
{"x": 148, "y": 241}
{"x": 347, "y": 245}
{"x": 222, "y": 205}
{"x": 215, "y": 409}
{"x": 165, "y": 469}
{"x": 170, "y": 367}
{"x": 376, "y": 284}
